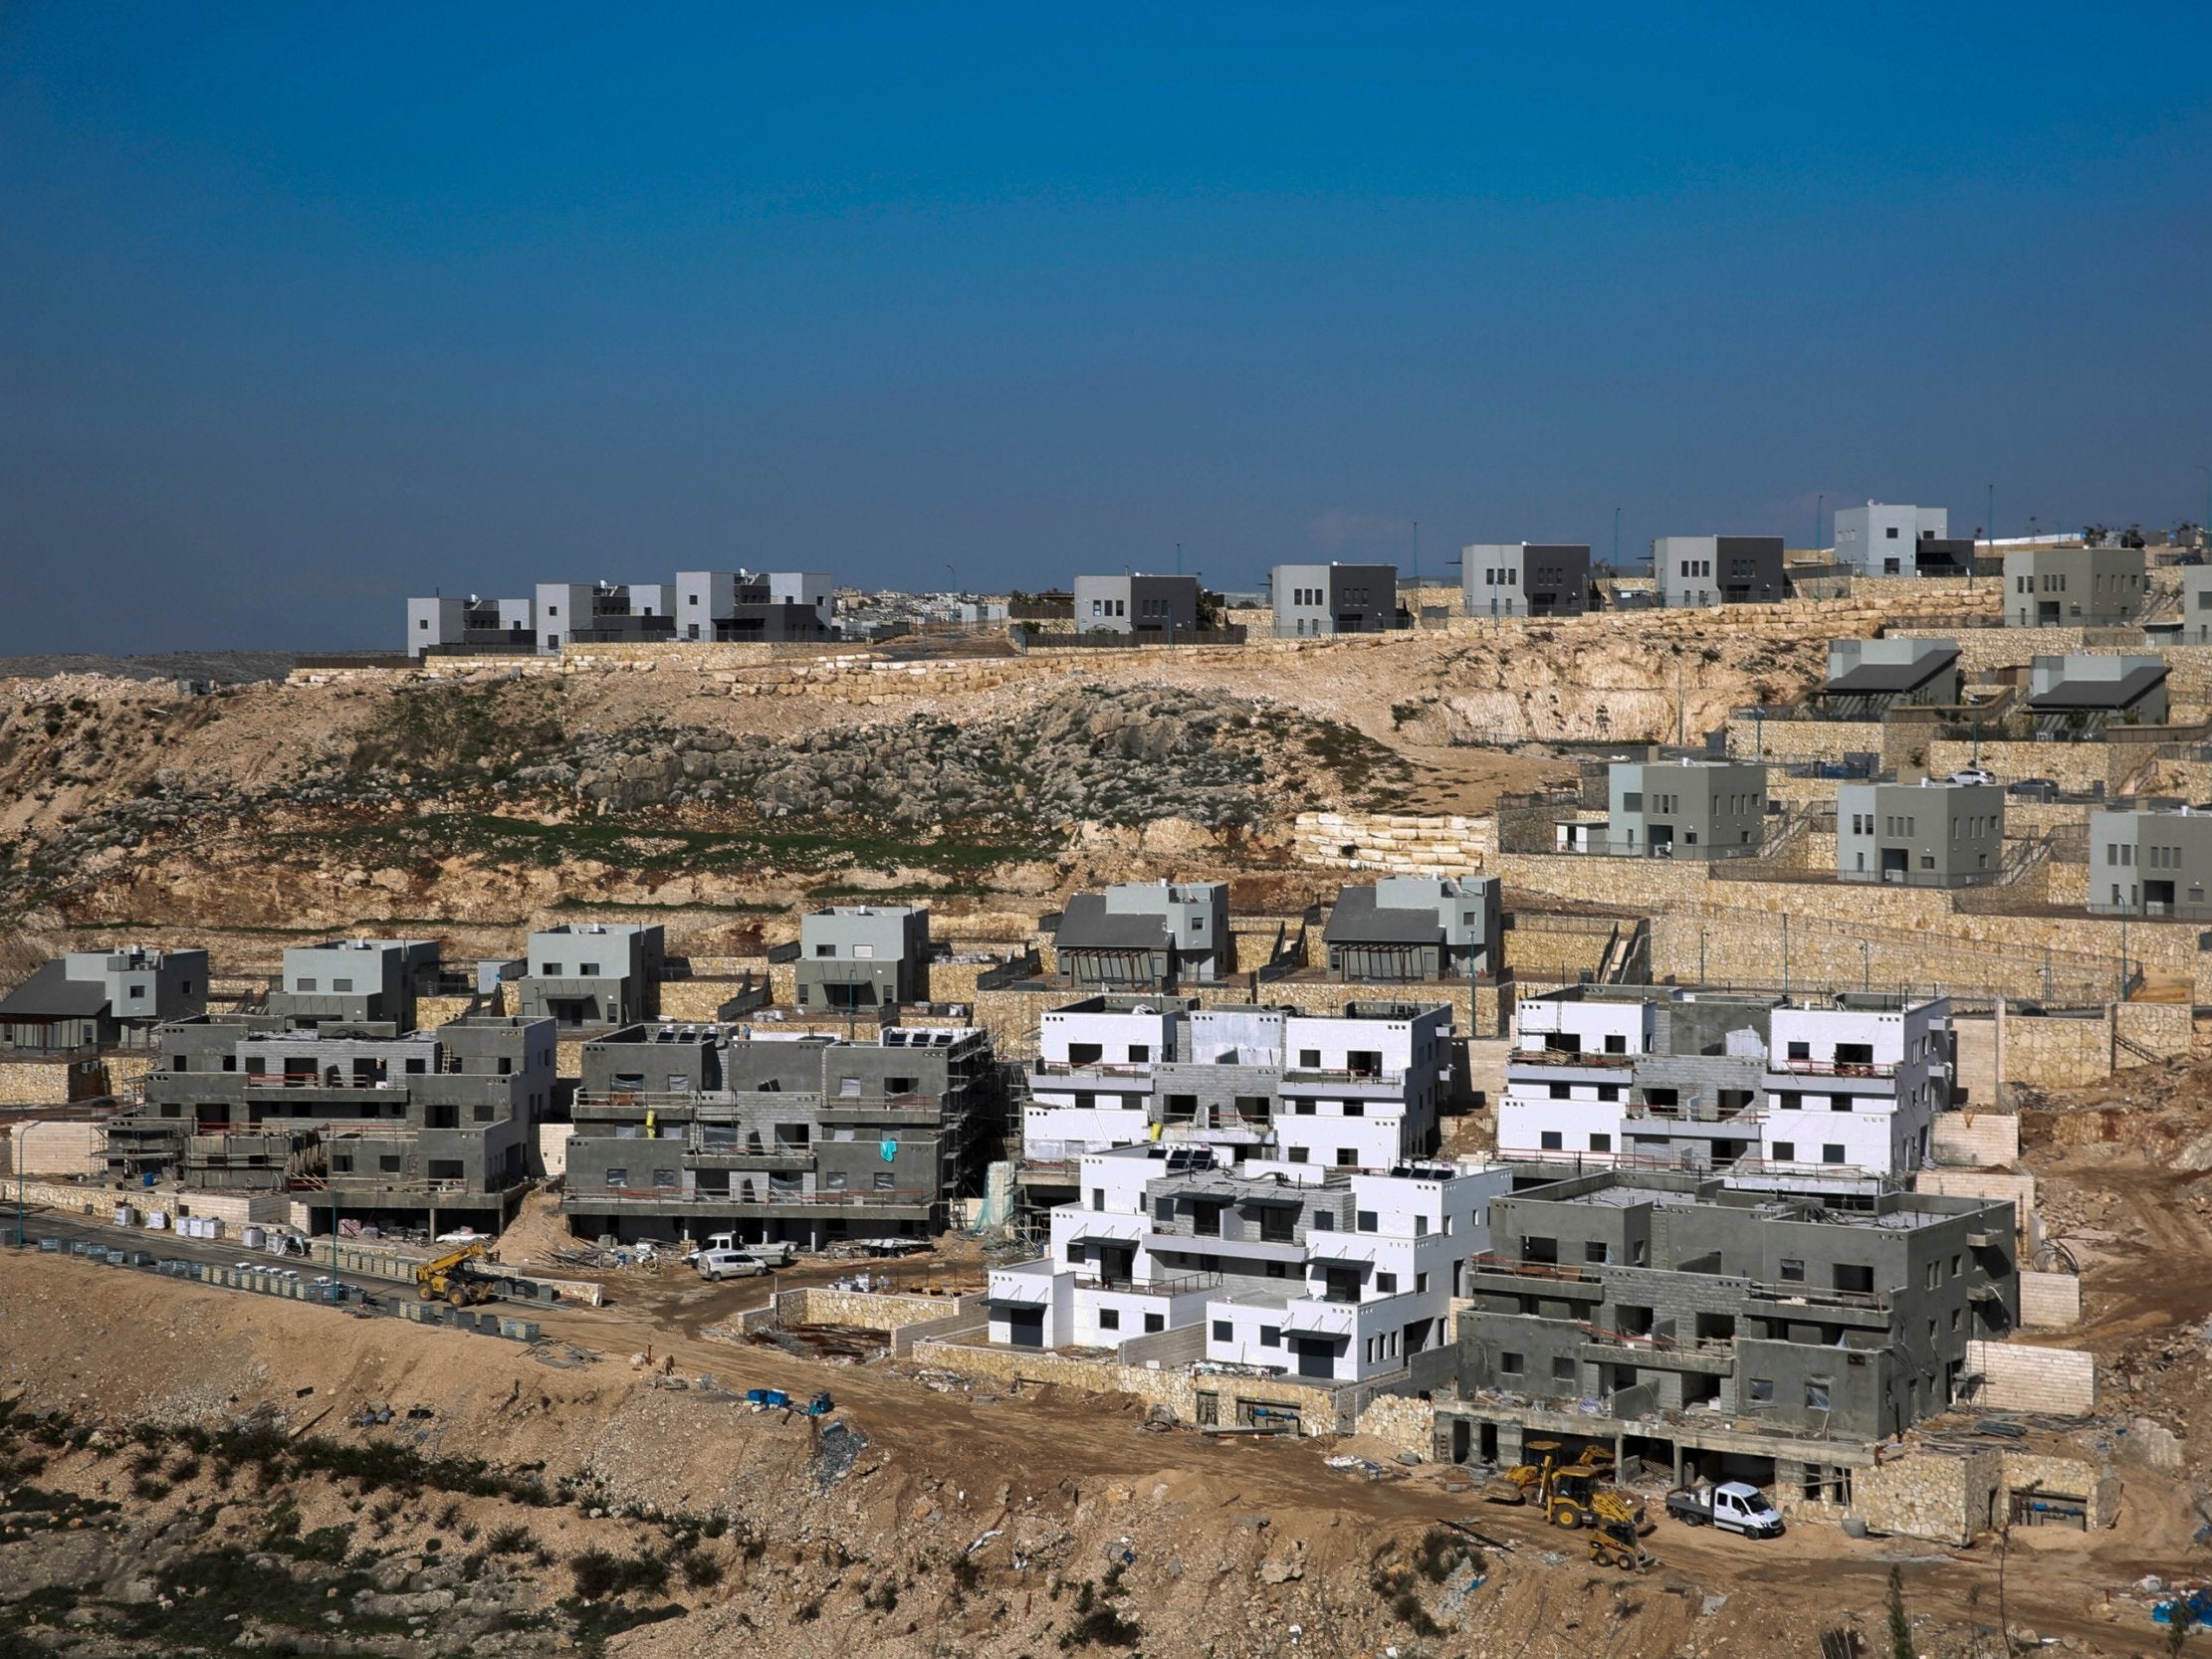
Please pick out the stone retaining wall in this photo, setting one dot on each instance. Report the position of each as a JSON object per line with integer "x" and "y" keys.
{"x": 1927, "y": 1493}
{"x": 51, "y": 1082}
{"x": 870, "y": 1309}
{"x": 2068, "y": 1477}
{"x": 1395, "y": 844}
{"x": 1983, "y": 1140}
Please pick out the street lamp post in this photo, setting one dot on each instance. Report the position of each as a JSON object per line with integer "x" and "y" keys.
{"x": 2204, "y": 525}
{"x": 1759, "y": 730}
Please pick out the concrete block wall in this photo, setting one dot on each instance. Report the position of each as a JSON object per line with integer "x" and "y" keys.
{"x": 869, "y": 1310}
{"x": 553, "y": 1149}
{"x": 2050, "y": 1301}
{"x": 1998, "y": 1186}
{"x": 54, "y": 1146}
{"x": 1983, "y": 1140}
{"x": 2016, "y": 1377}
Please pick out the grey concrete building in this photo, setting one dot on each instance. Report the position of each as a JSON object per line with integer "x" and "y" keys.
{"x": 110, "y": 997}
{"x": 1867, "y": 677}
{"x": 603, "y": 613}
{"x": 1697, "y": 570}
{"x": 355, "y": 981}
{"x": 2151, "y": 862}
{"x": 740, "y": 606}
{"x": 2093, "y": 689}
{"x": 1883, "y": 539}
{"x": 1723, "y": 1330}
{"x": 1137, "y": 604}
{"x": 1685, "y": 808}
{"x": 1412, "y": 927}
{"x": 393, "y": 1129}
{"x": 687, "y": 1130}
{"x": 1147, "y": 935}
{"x": 2074, "y": 587}
{"x": 863, "y": 956}
{"x": 593, "y": 973}
{"x": 1525, "y": 579}
{"x": 2196, "y": 605}
{"x": 1335, "y": 599}
{"x": 1925, "y": 834}
{"x": 490, "y": 626}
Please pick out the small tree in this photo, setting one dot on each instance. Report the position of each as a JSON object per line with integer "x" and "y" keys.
{"x": 1900, "y": 1627}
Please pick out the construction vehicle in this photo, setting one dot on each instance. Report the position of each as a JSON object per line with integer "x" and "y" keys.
{"x": 447, "y": 1278}
{"x": 1615, "y": 1545}
{"x": 776, "y": 1399}
{"x": 1572, "y": 1495}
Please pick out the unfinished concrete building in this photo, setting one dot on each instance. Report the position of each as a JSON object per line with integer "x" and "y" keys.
{"x": 593, "y": 973}
{"x": 1413, "y": 927}
{"x": 422, "y": 1126}
{"x": 1147, "y": 935}
{"x": 683, "y": 1130}
{"x": 853, "y": 956}
{"x": 1723, "y": 1333}
{"x": 1750, "y": 1087}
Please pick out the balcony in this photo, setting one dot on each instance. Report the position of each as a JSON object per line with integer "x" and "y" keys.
{"x": 1578, "y": 1058}
{"x": 1824, "y": 1068}
{"x": 1339, "y": 1078}
{"x": 1155, "y": 1283}
{"x": 1118, "y": 1074}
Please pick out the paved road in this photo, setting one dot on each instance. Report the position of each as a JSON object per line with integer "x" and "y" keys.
{"x": 164, "y": 1245}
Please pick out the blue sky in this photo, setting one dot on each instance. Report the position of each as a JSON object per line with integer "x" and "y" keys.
{"x": 304, "y": 308}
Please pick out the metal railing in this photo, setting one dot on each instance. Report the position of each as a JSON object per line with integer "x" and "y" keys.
{"x": 705, "y": 1198}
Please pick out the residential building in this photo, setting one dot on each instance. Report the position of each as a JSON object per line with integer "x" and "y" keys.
{"x": 107, "y": 997}
{"x": 693, "y": 1129}
{"x": 1335, "y": 599}
{"x": 1925, "y": 834}
{"x": 603, "y": 613}
{"x": 1697, "y": 570}
{"x": 1726, "y": 1082}
{"x": 1525, "y": 579}
{"x": 355, "y": 981}
{"x": 1687, "y": 808}
{"x": 2196, "y": 605}
{"x": 593, "y": 973}
{"x": 2093, "y": 688}
{"x": 1313, "y": 1274}
{"x": 1147, "y": 935}
{"x": 1885, "y": 539}
{"x": 1356, "y": 1090}
{"x": 380, "y": 1127}
{"x": 1415, "y": 927}
{"x": 1729, "y": 1331}
{"x": 492, "y": 626}
{"x": 863, "y": 956}
{"x": 1868, "y": 676}
{"x": 2147, "y": 863}
{"x": 1137, "y": 604}
{"x": 2074, "y": 587}
{"x": 736, "y": 606}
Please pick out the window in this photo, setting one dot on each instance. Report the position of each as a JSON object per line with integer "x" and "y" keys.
{"x": 1098, "y": 1198}
{"x": 826, "y": 950}
{"x": 1368, "y": 1222}
{"x": 1164, "y": 1208}
{"x": 1420, "y": 1226}
{"x": 1224, "y": 1330}
{"x": 1109, "y": 1319}
{"x": 1155, "y": 1322}
{"x": 1270, "y": 1335}
{"x": 1816, "y": 1393}
{"x": 1347, "y": 1157}
{"x": 1509, "y": 1364}
{"x": 1793, "y": 1272}
{"x": 1601, "y": 1142}
{"x": 1596, "y": 1250}
{"x": 1762, "y": 1390}
{"x": 1550, "y": 1141}
{"x": 1785, "y": 1151}
{"x": 1831, "y": 1152}
{"x": 305, "y": 986}
{"x": 1421, "y": 1284}
{"x": 1323, "y": 1222}
{"x": 388, "y": 1163}
{"x": 1563, "y": 1369}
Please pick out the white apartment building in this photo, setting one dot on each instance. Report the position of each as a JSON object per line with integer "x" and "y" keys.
{"x": 1704, "y": 1081}
{"x": 1360, "y": 1089}
{"x": 1301, "y": 1270}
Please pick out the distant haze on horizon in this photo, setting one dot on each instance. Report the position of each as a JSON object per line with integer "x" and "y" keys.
{"x": 305, "y": 309}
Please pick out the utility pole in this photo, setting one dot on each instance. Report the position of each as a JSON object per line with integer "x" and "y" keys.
{"x": 1615, "y": 543}
{"x": 1417, "y": 575}
{"x": 1682, "y": 710}
{"x": 1819, "y": 502}
{"x": 2204, "y": 525}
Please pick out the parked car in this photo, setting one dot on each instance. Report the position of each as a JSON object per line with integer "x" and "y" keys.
{"x": 1731, "y": 1507}
{"x": 718, "y": 1265}
{"x": 1974, "y": 775}
{"x": 778, "y": 1254}
{"x": 2041, "y": 788}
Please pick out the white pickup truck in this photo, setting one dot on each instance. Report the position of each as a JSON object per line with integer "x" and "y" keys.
{"x": 1731, "y": 1507}
{"x": 778, "y": 1254}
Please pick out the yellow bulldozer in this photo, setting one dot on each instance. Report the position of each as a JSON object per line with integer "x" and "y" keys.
{"x": 1571, "y": 1495}
{"x": 447, "y": 1278}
